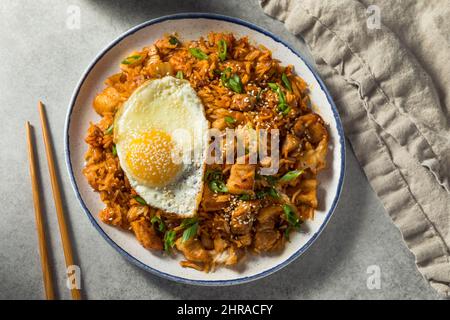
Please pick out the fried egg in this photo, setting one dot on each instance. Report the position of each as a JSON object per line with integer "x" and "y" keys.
{"x": 161, "y": 138}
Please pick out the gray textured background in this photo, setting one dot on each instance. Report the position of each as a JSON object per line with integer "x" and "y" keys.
{"x": 42, "y": 59}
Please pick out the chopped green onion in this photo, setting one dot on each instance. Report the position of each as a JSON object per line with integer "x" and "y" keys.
{"x": 114, "y": 150}
{"x": 180, "y": 74}
{"x": 232, "y": 82}
{"x": 287, "y": 232}
{"x": 291, "y": 175}
{"x": 190, "y": 232}
{"x": 273, "y": 193}
{"x": 213, "y": 175}
{"x": 190, "y": 225}
{"x": 258, "y": 95}
{"x": 109, "y": 130}
{"x": 230, "y": 120}
{"x": 131, "y": 59}
{"x": 188, "y": 222}
{"x": 283, "y": 107}
{"x": 235, "y": 84}
{"x": 217, "y": 186}
{"x": 244, "y": 197}
{"x": 161, "y": 224}
{"x": 222, "y": 44}
{"x": 199, "y": 54}
{"x": 273, "y": 86}
{"x": 286, "y": 82}
{"x": 225, "y": 75}
{"x": 291, "y": 217}
{"x": 140, "y": 200}
{"x": 271, "y": 180}
{"x": 169, "y": 240}
{"x": 260, "y": 194}
{"x": 215, "y": 181}
{"x": 174, "y": 41}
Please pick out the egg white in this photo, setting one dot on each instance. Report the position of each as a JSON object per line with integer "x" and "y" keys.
{"x": 171, "y": 105}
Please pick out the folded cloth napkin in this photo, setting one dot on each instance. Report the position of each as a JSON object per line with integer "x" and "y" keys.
{"x": 387, "y": 66}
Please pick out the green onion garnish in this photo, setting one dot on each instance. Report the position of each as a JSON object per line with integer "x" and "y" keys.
{"x": 291, "y": 175}
{"x": 287, "y": 232}
{"x": 286, "y": 82}
{"x": 258, "y": 95}
{"x": 199, "y": 54}
{"x": 230, "y": 120}
{"x": 235, "y": 84}
{"x": 273, "y": 193}
{"x": 217, "y": 186}
{"x": 114, "y": 150}
{"x": 140, "y": 200}
{"x": 271, "y": 180}
{"x": 225, "y": 75}
{"x": 291, "y": 217}
{"x": 222, "y": 46}
{"x": 213, "y": 175}
{"x": 161, "y": 224}
{"x": 244, "y": 197}
{"x": 260, "y": 194}
{"x": 283, "y": 107}
{"x": 180, "y": 74}
{"x": 215, "y": 181}
{"x": 174, "y": 41}
{"x": 190, "y": 225}
{"x": 169, "y": 240}
{"x": 190, "y": 232}
{"x": 232, "y": 82}
{"x": 188, "y": 222}
{"x": 131, "y": 59}
{"x": 109, "y": 130}
{"x": 273, "y": 86}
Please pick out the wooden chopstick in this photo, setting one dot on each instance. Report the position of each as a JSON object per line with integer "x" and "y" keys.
{"x": 46, "y": 273}
{"x": 65, "y": 239}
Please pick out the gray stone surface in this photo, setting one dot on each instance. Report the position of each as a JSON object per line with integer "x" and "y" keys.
{"x": 42, "y": 59}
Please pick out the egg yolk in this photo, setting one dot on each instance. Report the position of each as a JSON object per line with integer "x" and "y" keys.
{"x": 149, "y": 157}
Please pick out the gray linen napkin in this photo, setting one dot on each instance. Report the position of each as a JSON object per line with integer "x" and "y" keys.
{"x": 390, "y": 79}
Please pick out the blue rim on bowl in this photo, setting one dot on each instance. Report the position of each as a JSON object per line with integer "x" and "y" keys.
{"x": 127, "y": 255}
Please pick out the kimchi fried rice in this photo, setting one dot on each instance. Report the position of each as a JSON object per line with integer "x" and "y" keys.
{"x": 241, "y": 211}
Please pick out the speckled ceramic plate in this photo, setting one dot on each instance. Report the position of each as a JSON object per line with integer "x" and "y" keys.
{"x": 192, "y": 26}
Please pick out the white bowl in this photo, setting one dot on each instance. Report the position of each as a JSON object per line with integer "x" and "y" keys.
{"x": 192, "y": 26}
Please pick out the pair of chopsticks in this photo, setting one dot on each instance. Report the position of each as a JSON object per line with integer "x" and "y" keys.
{"x": 65, "y": 239}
